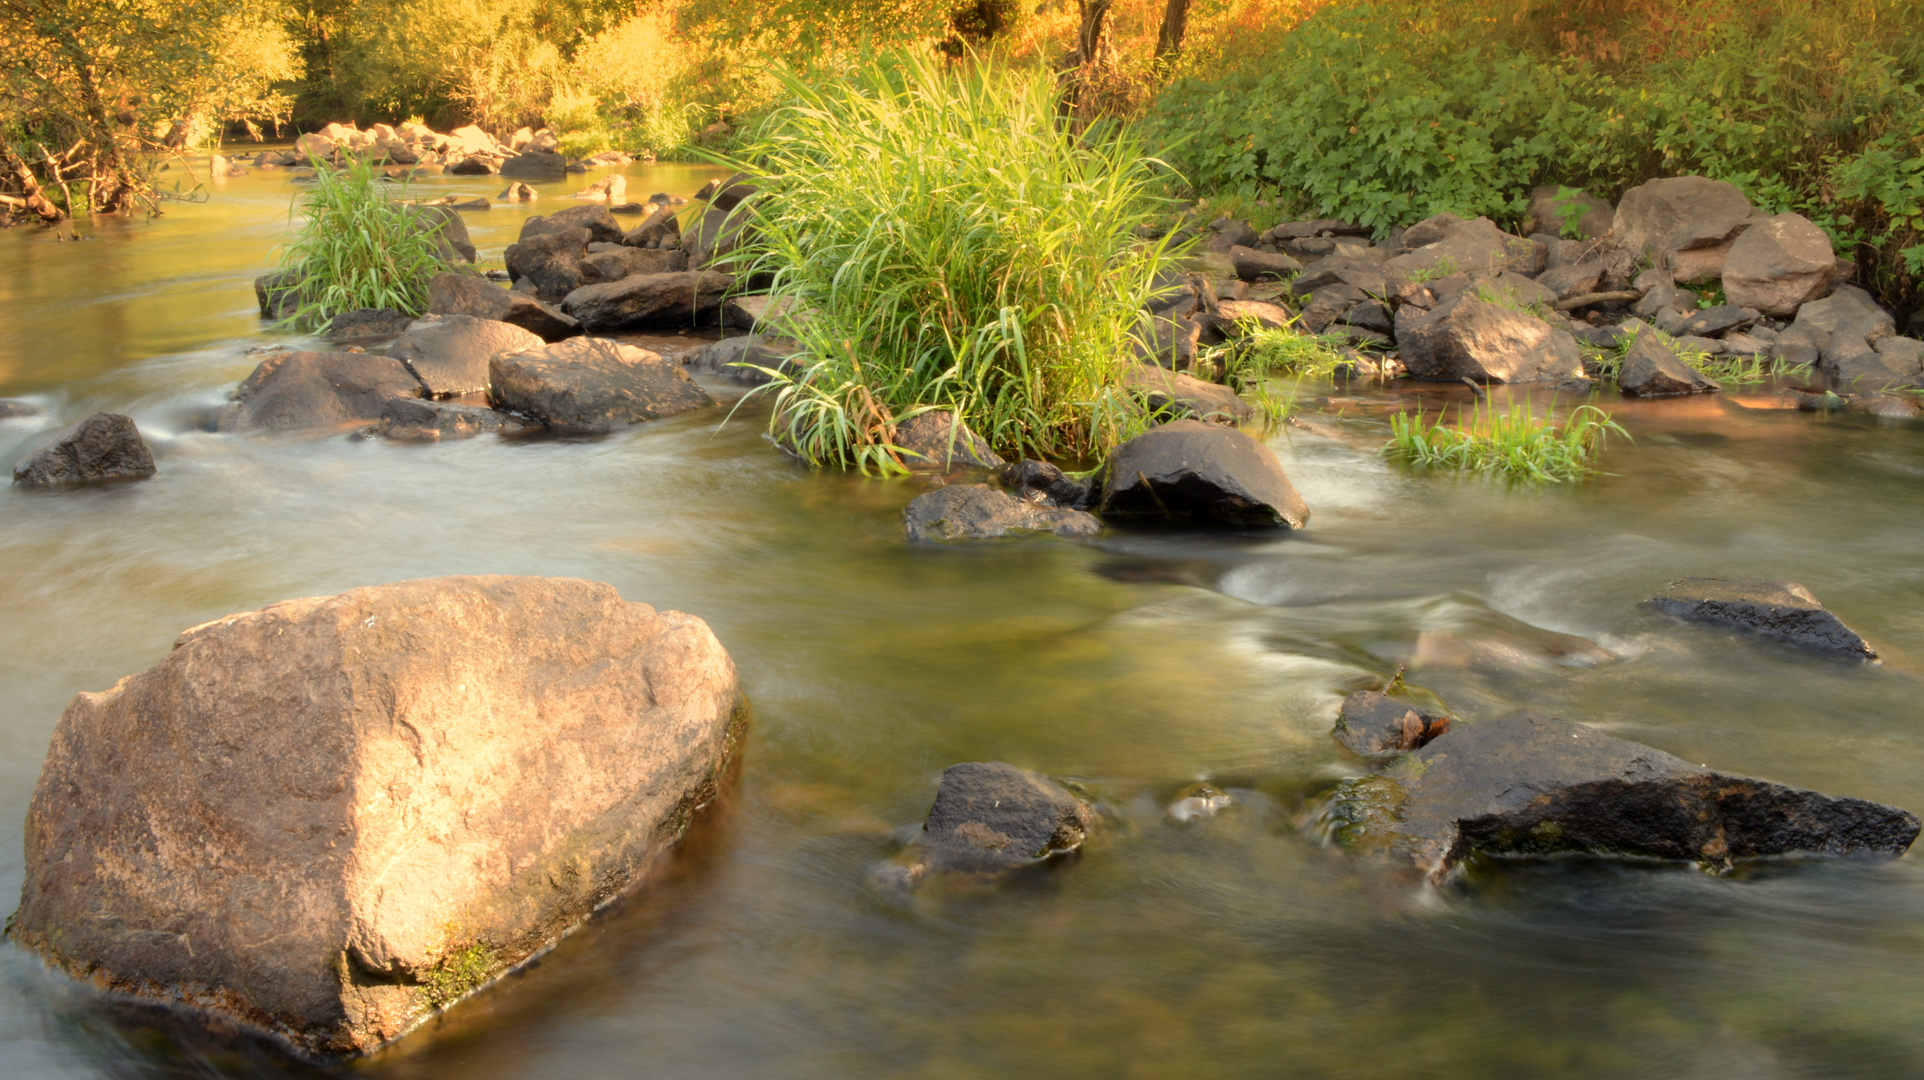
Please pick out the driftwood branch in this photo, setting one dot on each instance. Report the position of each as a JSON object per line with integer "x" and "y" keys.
{"x": 1588, "y": 299}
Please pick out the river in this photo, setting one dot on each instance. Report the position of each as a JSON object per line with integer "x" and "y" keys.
{"x": 1134, "y": 665}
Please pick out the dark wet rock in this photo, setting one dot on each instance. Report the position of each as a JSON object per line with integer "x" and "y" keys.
{"x": 601, "y": 225}
{"x": 991, "y": 817}
{"x": 1370, "y": 315}
{"x": 748, "y": 358}
{"x": 1375, "y": 725}
{"x": 473, "y": 295}
{"x": 104, "y": 446}
{"x": 715, "y": 232}
{"x": 450, "y": 353}
{"x": 1778, "y": 265}
{"x": 1651, "y": 368}
{"x": 278, "y": 293}
{"x": 317, "y": 389}
{"x": 980, "y": 512}
{"x": 1043, "y": 483}
{"x": 1328, "y": 304}
{"x": 1783, "y": 610}
{"x": 367, "y": 324}
{"x": 1715, "y": 321}
{"x": 535, "y": 165}
{"x": 1253, "y": 265}
{"x": 474, "y": 165}
{"x": 659, "y": 229}
{"x": 687, "y": 298}
{"x": 591, "y": 385}
{"x": 451, "y": 231}
{"x": 1187, "y": 470}
{"x": 1684, "y": 224}
{"x": 1180, "y": 396}
{"x": 421, "y": 420}
{"x": 1469, "y": 338}
{"x": 1533, "y": 785}
{"x": 935, "y": 440}
{"x": 623, "y": 262}
{"x": 549, "y": 263}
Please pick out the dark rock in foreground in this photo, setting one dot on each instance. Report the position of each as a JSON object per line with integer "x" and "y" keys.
{"x": 326, "y": 819}
{"x": 1379, "y": 726}
{"x": 419, "y": 420}
{"x": 104, "y": 446}
{"x": 936, "y": 441}
{"x": 592, "y": 385}
{"x": 1187, "y": 470}
{"x": 1783, "y": 610}
{"x": 980, "y": 512}
{"x": 992, "y": 817}
{"x": 471, "y": 294}
{"x": 450, "y": 353}
{"x": 317, "y": 389}
{"x": 1525, "y": 784}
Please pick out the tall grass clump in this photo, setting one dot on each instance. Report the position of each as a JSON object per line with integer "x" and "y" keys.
{"x": 948, "y": 245}
{"x": 1514, "y": 442}
{"x": 358, "y": 246}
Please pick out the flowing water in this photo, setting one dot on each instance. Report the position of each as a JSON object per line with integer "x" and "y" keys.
{"x": 1134, "y": 665}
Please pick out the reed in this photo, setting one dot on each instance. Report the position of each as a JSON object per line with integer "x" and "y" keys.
{"x": 357, "y": 245}
{"x": 1513, "y": 442}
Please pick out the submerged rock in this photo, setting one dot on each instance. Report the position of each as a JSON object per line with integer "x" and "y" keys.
{"x": 591, "y": 385}
{"x": 980, "y": 512}
{"x": 1376, "y": 725}
{"x": 1192, "y": 471}
{"x": 936, "y": 441}
{"x": 328, "y": 818}
{"x": 473, "y": 295}
{"x": 992, "y": 817}
{"x": 1526, "y": 784}
{"x": 104, "y": 446}
{"x": 450, "y": 353}
{"x": 418, "y": 420}
{"x": 316, "y": 389}
{"x": 1783, "y": 610}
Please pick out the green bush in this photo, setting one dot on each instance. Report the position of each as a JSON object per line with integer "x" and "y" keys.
{"x": 358, "y": 246}
{"x": 946, "y": 245}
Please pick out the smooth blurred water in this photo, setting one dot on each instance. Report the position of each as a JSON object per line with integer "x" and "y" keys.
{"x": 1134, "y": 665}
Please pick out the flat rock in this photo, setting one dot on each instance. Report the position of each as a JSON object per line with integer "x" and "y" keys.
{"x": 316, "y": 389}
{"x": 367, "y": 324}
{"x": 1532, "y": 785}
{"x": 1181, "y": 396}
{"x": 1718, "y": 320}
{"x": 687, "y": 298}
{"x": 1374, "y": 725}
{"x": 449, "y": 354}
{"x": 421, "y": 420}
{"x": 473, "y": 295}
{"x": 623, "y": 262}
{"x": 591, "y": 385}
{"x": 104, "y": 446}
{"x": 990, "y": 817}
{"x": 935, "y": 441}
{"x": 980, "y": 512}
{"x": 1783, "y": 610}
{"x": 755, "y": 312}
{"x": 1469, "y": 338}
{"x": 328, "y": 818}
{"x": 1253, "y": 265}
{"x": 1778, "y": 265}
{"x": 1187, "y": 470}
{"x": 1651, "y": 368}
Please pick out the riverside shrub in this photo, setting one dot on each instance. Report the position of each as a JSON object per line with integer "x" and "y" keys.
{"x": 945, "y": 243}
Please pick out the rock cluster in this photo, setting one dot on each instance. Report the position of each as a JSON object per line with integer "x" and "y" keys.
{"x": 465, "y": 151}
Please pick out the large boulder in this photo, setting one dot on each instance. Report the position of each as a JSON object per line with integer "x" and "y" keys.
{"x": 471, "y": 294}
{"x": 686, "y": 298}
{"x": 591, "y": 385}
{"x": 1375, "y": 725}
{"x": 420, "y": 420}
{"x": 934, "y": 441}
{"x": 1526, "y": 784}
{"x": 316, "y": 389}
{"x": 1781, "y": 610}
{"x": 449, "y": 230}
{"x": 1685, "y": 224}
{"x": 1652, "y": 368}
{"x": 328, "y": 818}
{"x": 990, "y": 817}
{"x": 1188, "y": 470}
{"x": 450, "y": 353}
{"x": 104, "y": 446}
{"x": 1778, "y": 265}
{"x": 980, "y": 512}
{"x": 536, "y": 165}
{"x": 601, "y": 225}
{"x": 1477, "y": 248}
{"x": 549, "y": 262}
{"x": 1469, "y": 338}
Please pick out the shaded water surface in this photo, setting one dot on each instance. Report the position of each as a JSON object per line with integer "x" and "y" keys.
{"x": 1134, "y": 665}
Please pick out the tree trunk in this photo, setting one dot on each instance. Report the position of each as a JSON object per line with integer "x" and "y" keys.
{"x": 1093, "y": 48}
{"x": 1175, "y": 22}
